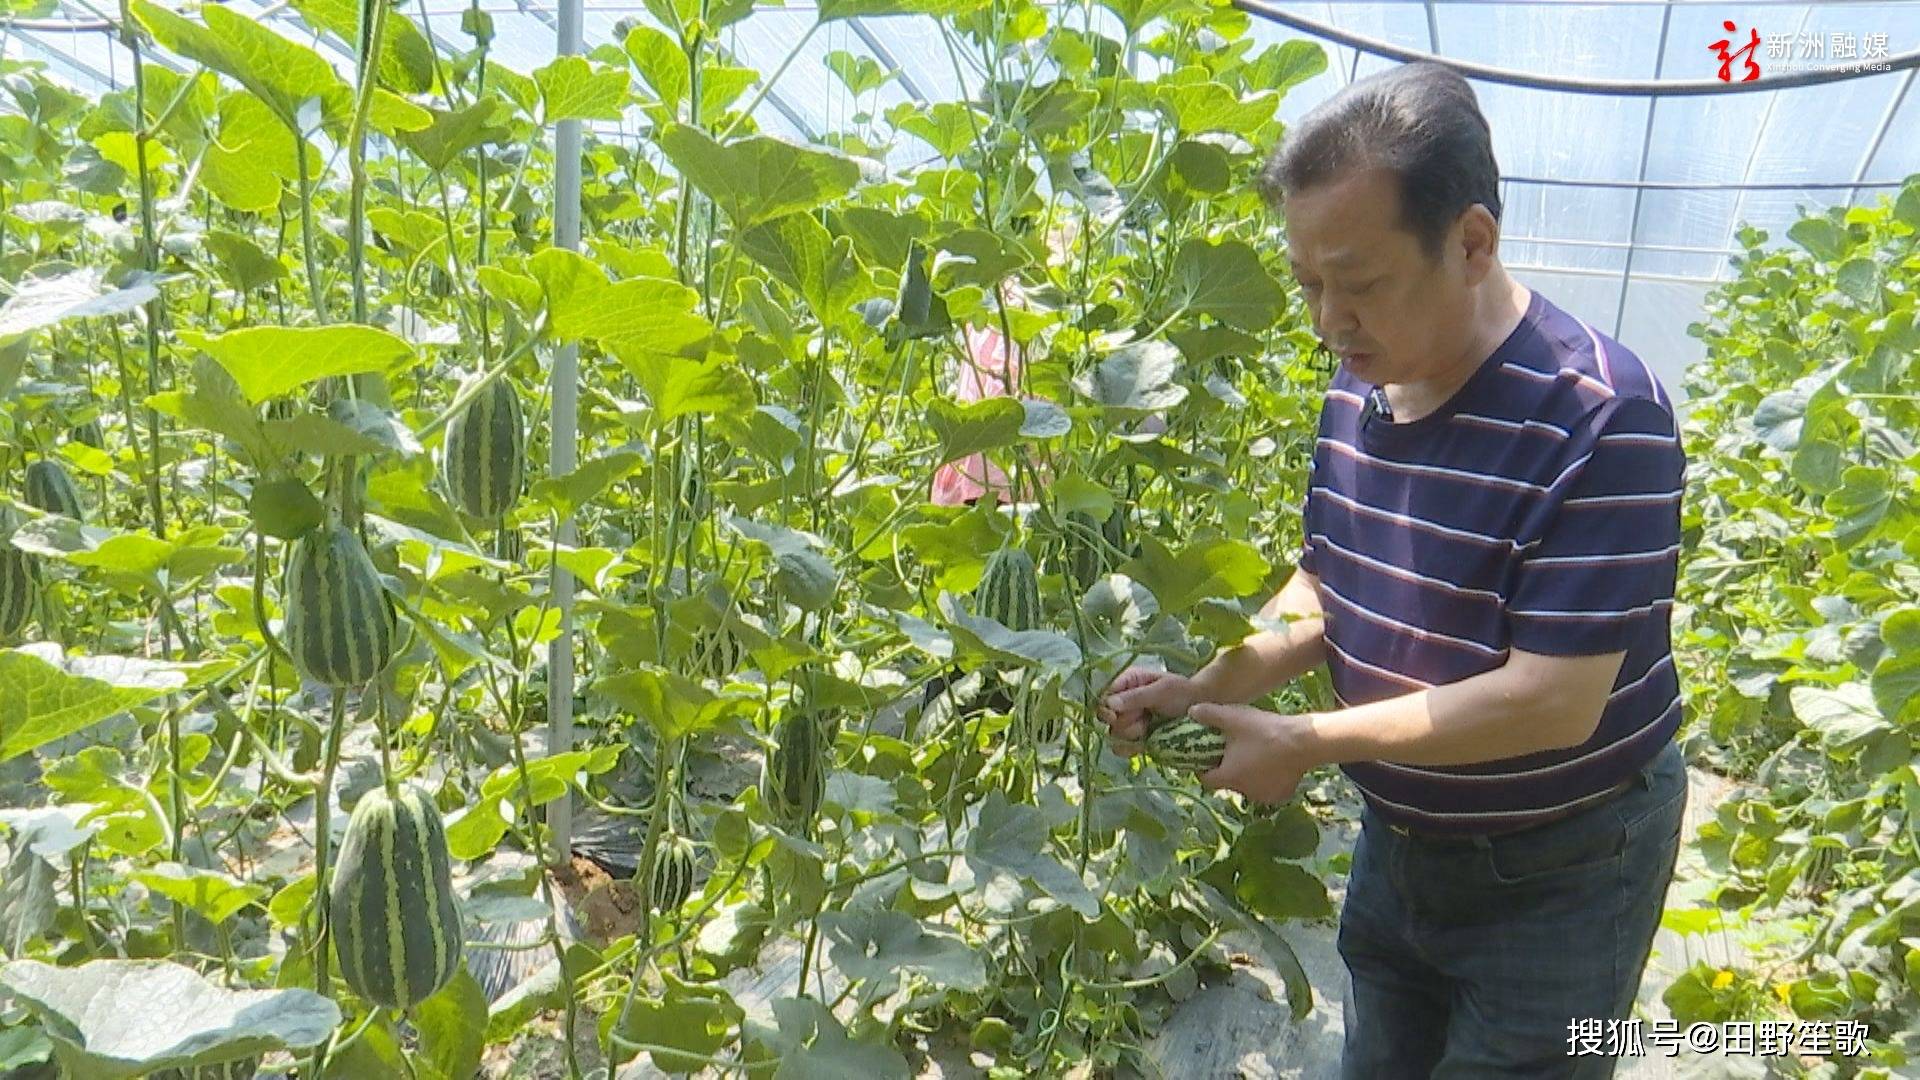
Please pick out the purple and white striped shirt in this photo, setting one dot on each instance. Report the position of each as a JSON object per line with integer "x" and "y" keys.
{"x": 1537, "y": 509}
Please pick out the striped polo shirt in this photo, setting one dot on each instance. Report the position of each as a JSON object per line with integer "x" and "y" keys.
{"x": 1537, "y": 509}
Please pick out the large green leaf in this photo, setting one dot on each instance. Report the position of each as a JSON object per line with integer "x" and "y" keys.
{"x": 799, "y": 251}
{"x": 645, "y": 315}
{"x": 675, "y": 705}
{"x": 974, "y": 427}
{"x": 1135, "y": 14}
{"x": 678, "y": 387}
{"x": 406, "y": 57}
{"x": 268, "y": 361}
{"x": 1844, "y": 716}
{"x": 453, "y": 1028}
{"x": 1209, "y": 106}
{"x": 696, "y": 1019}
{"x": 831, "y": 10}
{"x": 573, "y": 89}
{"x": 452, "y": 134}
{"x": 118, "y": 1019}
{"x": 1227, "y": 281}
{"x": 42, "y": 302}
{"x": 282, "y": 74}
{"x": 1181, "y": 578}
{"x": 758, "y": 178}
{"x": 1136, "y": 378}
{"x": 1011, "y": 841}
{"x": 215, "y": 896}
{"x": 1859, "y": 504}
{"x": 879, "y": 948}
{"x": 45, "y": 696}
{"x": 1896, "y": 679}
{"x": 662, "y": 64}
{"x": 812, "y": 1045}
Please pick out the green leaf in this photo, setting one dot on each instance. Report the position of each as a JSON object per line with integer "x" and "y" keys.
{"x": 567, "y": 494}
{"x": 1844, "y": 716}
{"x": 285, "y": 508}
{"x": 1820, "y": 236}
{"x": 948, "y": 126}
{"x": 1227, "y": 281}
{"x": 1896, "y": 678}
{"x": 758, "y": 178}
{"x": 43, "y": 302}
{"x": 1180, "y": 579}
{"x": 573, "y": 89}
{"x": 643, "y": 315}
{"x": 696, "y": 1019}
{"x": 831, "y": 10}
{"x": 1135, "y": 14}
{"x": 860, "y": 74}
{"x": 1859, "y": 278}
{"x": 662, "y": 64}
{"x": 1201, "y": 107}
{"x": 812, "y": 1045}
{"x": 45, "y": 696}
{"x": 1282, "y": 890}
{"x": 973, "y": 428}
{"x": 217, "y": 897}
{"x": 1012, "y": 841}
{"x": 242, "y": 262}
{"x": 282, "y": 74}
{"x": 215, "y": 404}
{"x": 1859, "y": 504}
{"x": 674, "y": 704}
{"x": 452, "y": 134}
{"x": 453, "y": 1029}
{"x": 311, "y": 433}
{"x": 118, "y": 1019}
{"x": 879, "y": 947}
{"x": 801, "y": 254}
{"x": 1136, "y": 378}
{"x": 268, "y": 361}
{"x": 406, "y": 57}
{"x": 678, "y": 387}
{"x": 1286, "y": 65}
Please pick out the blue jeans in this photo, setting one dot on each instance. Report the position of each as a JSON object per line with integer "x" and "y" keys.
{"x": 1470, "y": 959}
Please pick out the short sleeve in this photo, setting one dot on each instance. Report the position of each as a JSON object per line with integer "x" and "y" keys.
{"x": 1605, "y": 546}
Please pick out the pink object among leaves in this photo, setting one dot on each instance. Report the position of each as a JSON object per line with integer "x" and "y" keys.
{"x": 993, "y": 372}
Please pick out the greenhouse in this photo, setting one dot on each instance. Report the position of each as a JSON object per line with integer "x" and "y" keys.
{"x": 932, "y": 538}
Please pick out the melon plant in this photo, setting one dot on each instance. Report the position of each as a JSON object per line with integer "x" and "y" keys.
{"x": 484, "y": 460}
{"x": 19, "y": 581}
{"x": 1009, "y": 591}
{"x": 793, "y": 773}
{"x": 396, "y": 931}
{"x": 50, "y": 488}
{"x": 1186, "y": 745}
{"x": 339, "y": 620}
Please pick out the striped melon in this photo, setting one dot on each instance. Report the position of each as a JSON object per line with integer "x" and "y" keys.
{"x": 1186, "y": 744}
{"x": 395, "y": 928}
{"x": 50, "y": 488}
{"x": 90, "y": 434}
{"x": 339, "y": 626}
{"x": 672, "y": 873}
{"x": 484, "y": 460}
{"x": 793, "y": 774}
{"x": 19, "y": 582}
{"x": 719, "y": 652}
{"x": 1009, "y": 592}
{"x": 1085, "y": 560}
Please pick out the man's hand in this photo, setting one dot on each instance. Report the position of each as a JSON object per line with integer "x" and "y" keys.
{"x": 1264, "y": 761}
{"x": 1135, "y": 693}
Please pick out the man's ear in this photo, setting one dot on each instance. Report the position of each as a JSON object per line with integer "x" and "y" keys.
{"x": 1479, "y": 241}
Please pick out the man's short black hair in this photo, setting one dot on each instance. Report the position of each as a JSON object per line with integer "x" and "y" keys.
{"x": 1420, "y": 121}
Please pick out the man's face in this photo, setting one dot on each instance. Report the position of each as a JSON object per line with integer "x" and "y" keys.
{"x": 1379, "y": 303}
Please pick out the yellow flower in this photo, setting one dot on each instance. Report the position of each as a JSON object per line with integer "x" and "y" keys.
{"x": 1723, "y": 980}
{"x": 1784, "y": 993}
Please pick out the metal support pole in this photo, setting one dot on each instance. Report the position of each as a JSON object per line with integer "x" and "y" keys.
{"x": 566, "y": 402}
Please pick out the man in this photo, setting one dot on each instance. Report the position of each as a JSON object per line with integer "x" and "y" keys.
{"x": 1492, "y": 531}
